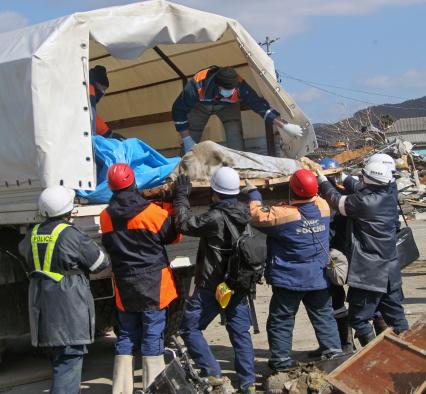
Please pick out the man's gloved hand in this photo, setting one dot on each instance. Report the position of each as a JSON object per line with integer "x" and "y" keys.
{"x": 249, "y": 187}
{"x": 188, "y": 143}
{"x": 321, "y": 177}
{"x": 182, "y": 185}
{"x": 293, "y": 130}
{"x": 340, "y": 178}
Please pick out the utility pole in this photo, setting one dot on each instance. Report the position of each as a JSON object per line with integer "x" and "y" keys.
{"x": 268, "y": 43}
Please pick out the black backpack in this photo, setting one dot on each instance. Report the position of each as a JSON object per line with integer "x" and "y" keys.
{"x": 246, "y": 261}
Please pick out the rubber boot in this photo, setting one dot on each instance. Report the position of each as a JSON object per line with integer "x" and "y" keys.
{"x": 122, "y": 380}
{"x": 345, "y": 334}
{"x": 152, "y": 366}
{"x": 365, "y": 339}
{"x": 379, "y": 325}
{"x": 315, "y": 353}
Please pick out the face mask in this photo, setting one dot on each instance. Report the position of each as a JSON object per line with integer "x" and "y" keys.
{"x": 99, "y": 91}
{"x": 226, "y": 92}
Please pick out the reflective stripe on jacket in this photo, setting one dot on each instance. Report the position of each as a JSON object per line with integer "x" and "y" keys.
{"x": 50, "y": 241}
{"x": 202, "y": 88}
{"x": 371, "y": 231}
{"x": 296, "y": 258}
{"x": 134, "y": 232}
{"x": 62, "y": 312}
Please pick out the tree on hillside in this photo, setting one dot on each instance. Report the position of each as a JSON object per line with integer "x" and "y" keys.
{"x": 386, "y": 121}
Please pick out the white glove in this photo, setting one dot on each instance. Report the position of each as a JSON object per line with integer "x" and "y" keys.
{"x": 321, "y": 177}
{"x": 342, "y": 177}
{"x": 293, "y": 130}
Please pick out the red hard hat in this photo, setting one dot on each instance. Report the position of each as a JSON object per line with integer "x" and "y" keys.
{"x": 304, "y": 183}
{"x": 120, "y": 176}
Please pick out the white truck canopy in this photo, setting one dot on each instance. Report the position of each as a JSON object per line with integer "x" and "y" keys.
{"x": 44, "y": 103}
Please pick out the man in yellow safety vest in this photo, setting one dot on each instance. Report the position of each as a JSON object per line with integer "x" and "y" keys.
{"x": 59, "y": 258}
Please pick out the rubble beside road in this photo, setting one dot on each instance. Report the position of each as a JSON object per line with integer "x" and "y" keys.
{"x": 410, "y": 172}
{"x": 305, "y": 379}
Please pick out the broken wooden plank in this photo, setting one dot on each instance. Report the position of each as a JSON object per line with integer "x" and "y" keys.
{"x": 352, "y": 154}
{"x": 258, "y": 182}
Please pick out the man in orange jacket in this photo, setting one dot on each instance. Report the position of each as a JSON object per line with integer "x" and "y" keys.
{"x": 99, "y": 83}
{"x": 134, "y": 232}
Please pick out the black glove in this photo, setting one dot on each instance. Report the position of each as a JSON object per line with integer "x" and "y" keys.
{"x": 183, "y": 185}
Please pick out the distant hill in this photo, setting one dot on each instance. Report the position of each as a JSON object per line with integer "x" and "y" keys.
{"x": 378, "y": 115}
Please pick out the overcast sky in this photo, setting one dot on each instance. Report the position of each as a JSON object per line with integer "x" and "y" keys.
{"x": 376, "y": 46}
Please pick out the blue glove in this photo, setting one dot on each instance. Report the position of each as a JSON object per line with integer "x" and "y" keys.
{"x": 188, "y": 143}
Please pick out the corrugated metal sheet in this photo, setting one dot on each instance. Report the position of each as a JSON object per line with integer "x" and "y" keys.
{"x": 410, "y": 129}
{"x": 414, "y": 138}
{"x": 389, "y": 364}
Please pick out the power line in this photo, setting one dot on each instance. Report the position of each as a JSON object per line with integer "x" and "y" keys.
{"x": 313, "y": 85}
{"x": 342, "y": 88}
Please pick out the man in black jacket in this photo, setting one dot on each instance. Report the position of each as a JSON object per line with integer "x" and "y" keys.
{"x": 211, "y": 266}
{"x": 62, "y": 312}
{"x": 374, "y": 276}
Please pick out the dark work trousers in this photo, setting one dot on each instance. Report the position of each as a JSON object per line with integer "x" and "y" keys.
{"x": 282, "y": 311}
{"x": 229, "y": 114}
{"x": 144, "y": 330}
{"x": 338, "y": 297}
{"x": 200, "y": 310}
{"x": 364, "y": 303}
{"x": 67, "y": 363}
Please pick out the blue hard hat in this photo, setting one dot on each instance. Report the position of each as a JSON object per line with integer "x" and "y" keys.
{"x": 327, "y": 163}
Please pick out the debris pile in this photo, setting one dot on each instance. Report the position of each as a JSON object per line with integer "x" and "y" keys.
{"x": 410, "y": 172}
{"x": 305, "y": 379}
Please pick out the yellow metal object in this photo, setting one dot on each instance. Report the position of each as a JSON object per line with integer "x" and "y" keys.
{"x": 223, "y": 294}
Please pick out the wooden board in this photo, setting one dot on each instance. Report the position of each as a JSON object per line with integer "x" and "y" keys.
{"x": 259, "y": 182}
{"x": 346, "y": 156}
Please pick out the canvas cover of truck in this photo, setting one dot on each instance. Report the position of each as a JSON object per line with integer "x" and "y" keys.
{"x": 150, "y": 50}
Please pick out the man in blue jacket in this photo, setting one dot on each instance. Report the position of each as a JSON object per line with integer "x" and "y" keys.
{"x": 220, "y": 90}
{"x": 374, "y": 276}
{"x": 297, "y": 245}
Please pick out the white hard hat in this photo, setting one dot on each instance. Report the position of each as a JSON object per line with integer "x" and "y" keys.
{"x": 376, "y": 173}
{"x": 225, "y": 181}
{"x": 383, "y": 158}
{"x": 56, "y": 201}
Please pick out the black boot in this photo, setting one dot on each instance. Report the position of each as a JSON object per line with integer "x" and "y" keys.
{"x": 364, "y": 339}
{"x": 345, "y": 334}
{"x": 315, "y": 353}
{"x": 379, "y": 325}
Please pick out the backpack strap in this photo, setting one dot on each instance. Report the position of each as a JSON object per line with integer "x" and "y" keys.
{"x": 232, "y": 229}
